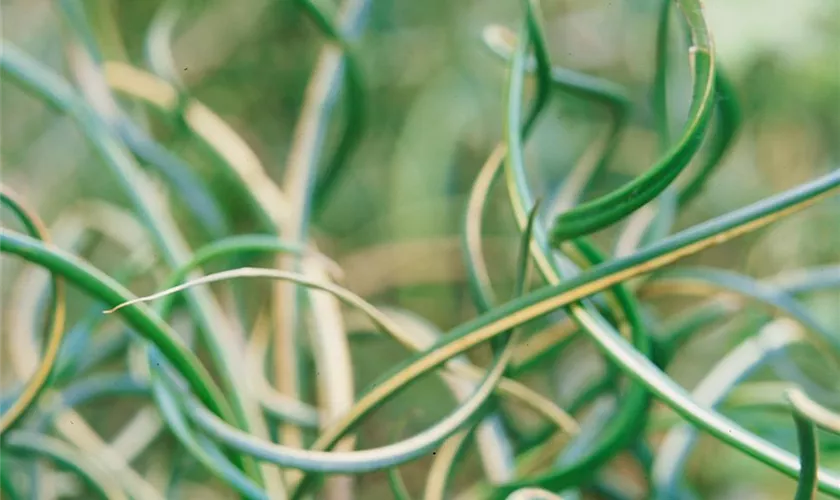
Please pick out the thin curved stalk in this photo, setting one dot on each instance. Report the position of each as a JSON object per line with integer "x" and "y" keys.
{"x": 533, "y": 21}
{"x": 444, "y": 462}
{"x": 204, "y": 451}
{"x": 233, "y": 245}
{"x": 600, "y": 278}
{"x": 676, "y": 333}
{"x": 775, "y": 289}
{"x": 86, "y": 221}
{"x": 343, "y": 461}
{"x": 492, "y": 443}
{"x": 402, "y": 328}
{"x": 489, "y": 438}
{"x": 272, "y": 206}
{"x": 287, "y": 409}
{"x": 37, "y": 445}
{"x": 658, "y": 215}
{"x": 478, "y": 276}
{"x": 341, "y": 30}
{"x": 453, "y": 447}
{"x": 275, "y": 404}
{"x": 660, "y": 78}
{"x": 808, "y": 280}
{"x": 350, "y": 461}
{"x": 703, "y": 280}
{"x": 334, "y": 366}
{"x": 608, "y": 209}
{"x": 397, "y": 485}
{"x": 89, "y": 389}
{"x": 598, "y": 297}
{"x": 809, "y": 453}
{"x": 88, "y": 61}
{"x": 735, "y": 367}
{"x": 653, "y": 221}
{"x": 52, "y": 89}
{"x": 40, "y": 378}
{"x": 503, "y": 43}
{"x": 58, "y": 413}
{"x": 307, "y": 193}
{"x": 727, "y": 113}
{"x": 727, "y": 123}
{"x": 224, "y": 348}
{"x": 718, "y": 426}
{"x": 157, "y": 45}
{"x": 341, "y": 294}
{"x": 93, "y": 218}
{"x": 694, "y": 280}
{"x": 821, "y": 416}
{"x": 630, "y": 419}
{"x": 507, "y": 387}
{"x": 157, "y": 51}
{"x": 242, "y": 164}
{"x": 165, "y": 395}
{"x": 191, "y": 188}
{"x": 355, "y": 461}
{"x": 140, "y": 317}
{"x": 7, "y": 484}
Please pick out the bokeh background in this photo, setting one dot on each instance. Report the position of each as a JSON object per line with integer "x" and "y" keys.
{"x": 434, "y": 112}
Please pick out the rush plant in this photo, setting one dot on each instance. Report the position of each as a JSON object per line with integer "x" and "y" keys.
{"x": 221, "y": 380}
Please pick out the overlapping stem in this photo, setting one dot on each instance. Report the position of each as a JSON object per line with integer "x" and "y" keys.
{"x": 586, "y": 292}
{"x": 605, "y": 210}
{"x": 39, "y": 380}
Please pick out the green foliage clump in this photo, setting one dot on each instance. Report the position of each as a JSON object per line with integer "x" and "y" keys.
{"x": 293, "y": 313}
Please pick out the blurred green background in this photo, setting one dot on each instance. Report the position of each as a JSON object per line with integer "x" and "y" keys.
{"x": 434, "y": 112}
